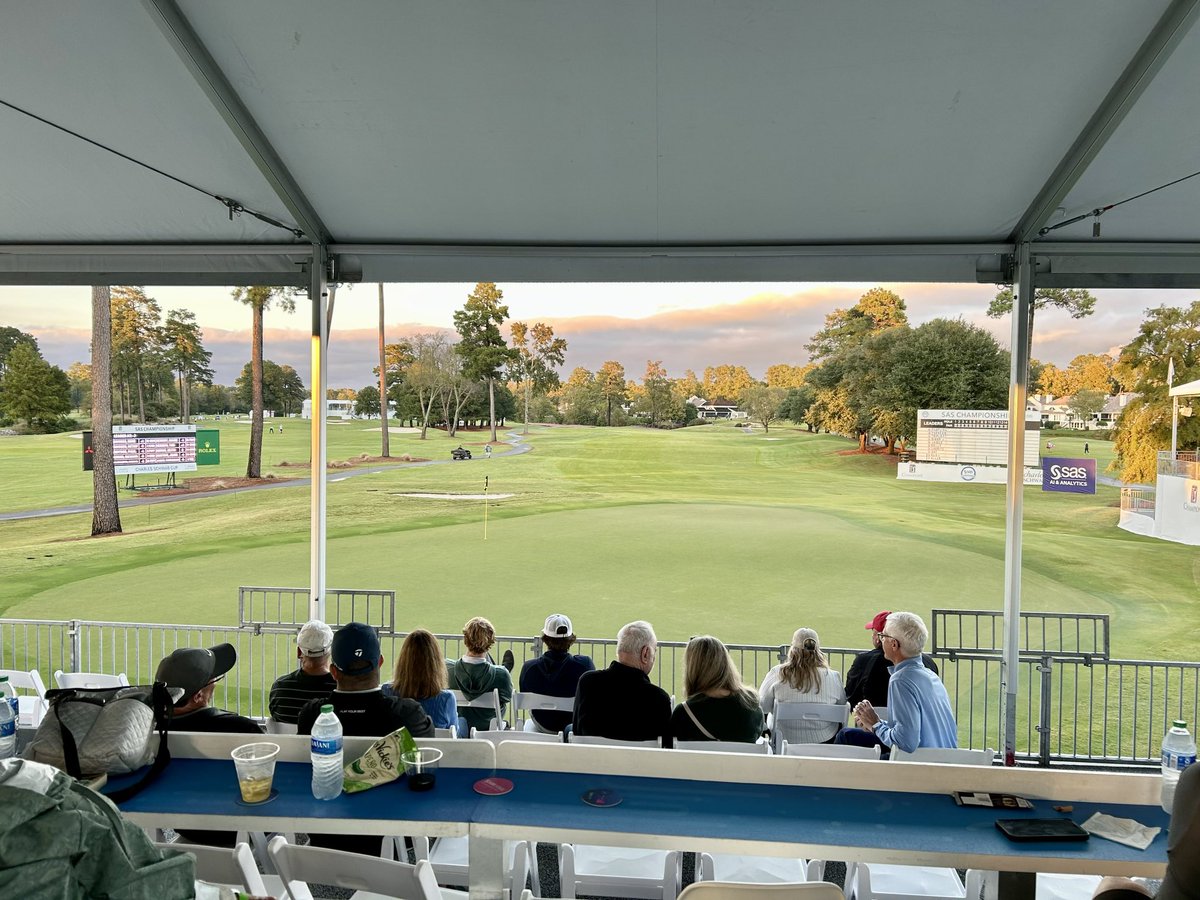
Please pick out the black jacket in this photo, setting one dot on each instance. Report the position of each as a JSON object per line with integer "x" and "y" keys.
{"x": 868, "y": 677}
{"x": 555, "y": 673}
{"x": 368, "y": 714}
{"x": 621, "y": 703}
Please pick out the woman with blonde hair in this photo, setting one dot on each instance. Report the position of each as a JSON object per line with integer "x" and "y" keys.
{"x": 719, "y": 707}
{"x": 805, "y": 678}
{"x": 421, "y": 674}
{"x": 474, "y": 674}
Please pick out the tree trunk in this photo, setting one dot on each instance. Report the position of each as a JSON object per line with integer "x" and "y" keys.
{"x": 492, "y": 406}
{"x": 528, "y": 389}
{"x": 891, "y": 444}
{"x": 608, "y": 415}
{"x": 141, "y": 397}
{"x": 106, "y": 515}
{"x": 254, "y": 463}
{"x": 862, "y": 442}
{"x": 383, "y": 403}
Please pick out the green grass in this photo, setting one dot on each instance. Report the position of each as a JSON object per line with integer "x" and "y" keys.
{"x": 700, "y": 530}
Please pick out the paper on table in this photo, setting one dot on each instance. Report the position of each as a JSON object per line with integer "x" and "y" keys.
{"x": 1123, "y": 831}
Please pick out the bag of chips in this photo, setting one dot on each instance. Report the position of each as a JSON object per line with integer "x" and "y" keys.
{"x": 380, "y": 764}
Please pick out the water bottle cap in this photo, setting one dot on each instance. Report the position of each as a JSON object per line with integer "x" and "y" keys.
{"x": 1179, "y": 723}
{"x": 326, "y": 707}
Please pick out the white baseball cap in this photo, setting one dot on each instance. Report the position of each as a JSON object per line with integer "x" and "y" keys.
{"x": 315, "y": 638}
{"x": 557, "y": 626}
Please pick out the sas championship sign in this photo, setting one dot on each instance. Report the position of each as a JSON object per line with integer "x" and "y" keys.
{"x": 1070, "y": 476}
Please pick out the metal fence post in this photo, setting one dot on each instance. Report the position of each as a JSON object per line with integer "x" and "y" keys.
{"x": 1045, "y": 670}
{"x": 74, "y": 632}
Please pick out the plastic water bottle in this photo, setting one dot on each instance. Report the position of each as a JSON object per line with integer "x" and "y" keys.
{"x": 327, "y": 755}
{"x": 8, "y": 723}
{"x": 1178, "y": 752}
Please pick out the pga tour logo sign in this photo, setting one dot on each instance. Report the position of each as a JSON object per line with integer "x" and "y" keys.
{"x": 1070, "y": 476}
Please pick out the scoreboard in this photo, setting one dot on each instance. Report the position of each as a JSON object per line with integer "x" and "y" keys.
{"x": 142, "y": 449}
{"x": 973, "y": 436}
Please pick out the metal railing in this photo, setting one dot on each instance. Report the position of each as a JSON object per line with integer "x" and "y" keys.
{"x": 1063, "y": 635}
{"x": 1137, "y": 500}
{"x": 1071, "y": 709}
{"x": 290, "y": 606}
{"x": 1184, "y": 462}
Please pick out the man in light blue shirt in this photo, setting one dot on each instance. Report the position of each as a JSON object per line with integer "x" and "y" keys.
{"x": 919, "y": 713}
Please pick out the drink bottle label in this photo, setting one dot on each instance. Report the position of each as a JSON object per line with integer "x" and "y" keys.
{"x": 326, "y": 746}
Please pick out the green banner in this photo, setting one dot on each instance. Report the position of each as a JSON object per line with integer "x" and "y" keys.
{"x": 208, "y": 447}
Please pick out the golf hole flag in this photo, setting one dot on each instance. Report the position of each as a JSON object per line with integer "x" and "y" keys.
{"x": 1069, "y": 476}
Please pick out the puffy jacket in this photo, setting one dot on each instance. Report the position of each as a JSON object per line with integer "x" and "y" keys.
{"x": 62, "y": 841}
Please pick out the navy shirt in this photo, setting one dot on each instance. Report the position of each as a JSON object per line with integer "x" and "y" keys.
{"x": 621, "y": 703}
{"x": 555, "y": 673}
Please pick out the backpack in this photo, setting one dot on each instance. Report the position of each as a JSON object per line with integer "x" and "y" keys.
{"x": 93, "y": 731}
{"x": 62, "y": 841}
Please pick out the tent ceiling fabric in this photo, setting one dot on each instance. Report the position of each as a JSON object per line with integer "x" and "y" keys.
{"x": 549, "y": 140}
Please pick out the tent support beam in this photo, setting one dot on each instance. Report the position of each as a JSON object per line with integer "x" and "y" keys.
{"x": 318, "y": 293}
{"x": 195, "y": 56}
{"x": 1155, "y": 50}
{"x": 1017, "y": 392}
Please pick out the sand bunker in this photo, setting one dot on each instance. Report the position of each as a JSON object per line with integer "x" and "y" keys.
{"x": 458, "y": 496}
{"x": 392, "y": 430}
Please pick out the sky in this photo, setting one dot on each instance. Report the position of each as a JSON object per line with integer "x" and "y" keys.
{"x": 686, "y": 326}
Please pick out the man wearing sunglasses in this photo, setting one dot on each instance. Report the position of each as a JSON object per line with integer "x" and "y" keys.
{"x": 919, "y": 712}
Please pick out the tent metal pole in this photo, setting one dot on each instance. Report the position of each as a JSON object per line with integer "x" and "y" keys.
{"x": 318, "y": 293}
{"x": 1017, "y": 393}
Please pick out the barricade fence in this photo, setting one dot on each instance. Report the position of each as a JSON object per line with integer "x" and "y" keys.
{"x": 1070, "y": 710}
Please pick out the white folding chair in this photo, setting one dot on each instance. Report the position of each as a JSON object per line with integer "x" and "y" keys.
{"x": 803, "y": 713}
{"x": 527, "y": 702}
{"x": 762, "y": 747}
{"x": 31, "y": 708}
{"x": 235, "y": 868}
{"x": 573, "y": 738}
{"x": 1049, "y": 886}
{"x": 734, "y": 868}
{"x": 83, "y": 680}
{"x": 274, "y": 726}
{"x": 718, "y": 890}
{"x": 451, "y": 862}
{"x": 451, "y": 733}
{"x": 961, "y": 757}
{"x": 370, "y": 877}
{"x": 510, "y": 734}
{"x": 489, "y": 700}
{"x": 618, "y": 872}
{"x": 830, "y": 751}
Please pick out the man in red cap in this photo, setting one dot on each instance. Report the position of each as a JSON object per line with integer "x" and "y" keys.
{"x": 869, "y": 676}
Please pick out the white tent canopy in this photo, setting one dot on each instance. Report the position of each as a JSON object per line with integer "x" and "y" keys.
{"x": 1191, "y": 389}
{"x": 604, "y": 140}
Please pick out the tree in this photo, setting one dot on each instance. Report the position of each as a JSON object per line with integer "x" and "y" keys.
{"x": 725, "y": 384}
{"x": 797, "y": 403}
{"x": 611, "y": 381}
{"x": 580, "y": 398}
{"x": 135, "y": 338}
{"x": 32, "y": 389}
{"x": 1093, "y": 371}
{"x": 656, "y": 398}
{"x": 1076, "y": 301}
{"x": 764, "y": 404}
{"x": 1144, "y": 427}
{"x": 292, "y": 392}
{"x": 1053, "y": 381}
{"x": 366, "y": 404}
{"x": 1087, "y": 403}
{"x": 9, "y": 338}
{"x": 106, "y": 514}
{"x": 259, "y": 298}
{"x": 876, "y": 310}
{"x": 79, "y": 374}
{"x": 183, "y": 348}
{"x": 433, "y": 357}
{"x": 482, "y": 347}
{"x": 536, "y": 352}
{"x": 781, "y": 375}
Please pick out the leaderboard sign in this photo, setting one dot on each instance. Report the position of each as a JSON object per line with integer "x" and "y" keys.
{"x": 972, "y": 436}
{"x": 144, "y": 449}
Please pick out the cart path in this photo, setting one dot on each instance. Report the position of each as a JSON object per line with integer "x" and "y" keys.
{"x": 515, "y": 438}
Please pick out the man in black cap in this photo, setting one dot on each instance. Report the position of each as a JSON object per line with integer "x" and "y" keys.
{"x": 197, "y": 672}
{"x": 357, "y": 700}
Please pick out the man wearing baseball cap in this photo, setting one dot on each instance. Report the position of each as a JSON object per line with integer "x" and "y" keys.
{"x": 358, "y": 700}
{"x": 555, "y": 673}
{"x": 869, "y": 674}
{"x": 197, "y": 671}
{"x": 292, "y": 691}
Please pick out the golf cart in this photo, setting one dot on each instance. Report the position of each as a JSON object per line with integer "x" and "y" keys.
{"x": 459, "y": 453}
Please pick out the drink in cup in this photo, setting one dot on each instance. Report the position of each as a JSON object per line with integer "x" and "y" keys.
{"x": 421, "y": 766}
{"x": 255, "y": 766}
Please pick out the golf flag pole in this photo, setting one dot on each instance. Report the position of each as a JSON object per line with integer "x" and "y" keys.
{"x": 485, "y": 506}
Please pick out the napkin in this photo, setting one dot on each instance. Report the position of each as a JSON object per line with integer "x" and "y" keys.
{"x": 379, "y": 765}
{"x": 1123, "y": 831}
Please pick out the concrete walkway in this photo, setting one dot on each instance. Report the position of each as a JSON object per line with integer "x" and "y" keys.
{"x": 517, "y": 440}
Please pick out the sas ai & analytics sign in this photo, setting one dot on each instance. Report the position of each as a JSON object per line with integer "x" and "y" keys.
{"x": 1069, "y": 476}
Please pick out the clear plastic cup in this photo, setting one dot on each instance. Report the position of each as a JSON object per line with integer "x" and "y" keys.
{"x": 421, "y": 767}
{"x": 255, "y": 765}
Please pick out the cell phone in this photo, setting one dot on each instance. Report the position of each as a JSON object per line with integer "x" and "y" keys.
{"x": 1041, "y": 830}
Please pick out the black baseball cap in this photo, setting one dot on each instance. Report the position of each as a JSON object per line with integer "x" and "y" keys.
{"x": 356, "y": 648}
{"x": 191, "y": 668}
